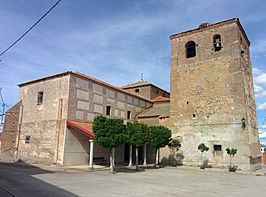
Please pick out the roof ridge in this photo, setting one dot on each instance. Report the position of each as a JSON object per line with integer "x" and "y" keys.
{"x": 87, "y": 77}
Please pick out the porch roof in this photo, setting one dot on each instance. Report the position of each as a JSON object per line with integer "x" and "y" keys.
{"x": 83, "y": 127}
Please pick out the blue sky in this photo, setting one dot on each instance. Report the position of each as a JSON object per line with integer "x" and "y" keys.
{"x": 117, "y": 40}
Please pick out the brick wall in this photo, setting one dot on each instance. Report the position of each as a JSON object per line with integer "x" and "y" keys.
{"x": 211, "y": 93}
{"x": 9, "y": 136}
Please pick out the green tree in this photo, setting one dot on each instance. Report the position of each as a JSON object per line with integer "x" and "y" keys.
{"x": 202, "y": 148}
{"x": 160, "y": 137}
{"x": 231, "y": 152}
{"x": 109, "y": 133}
{"x": 138, "y": 135}
{"x": 174, "y": 144}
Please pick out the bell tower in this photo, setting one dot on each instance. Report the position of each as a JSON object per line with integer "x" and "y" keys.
{"x": 212, "y": 96}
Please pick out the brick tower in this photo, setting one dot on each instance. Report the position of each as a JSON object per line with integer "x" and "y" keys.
{"x": 212, "y": 96}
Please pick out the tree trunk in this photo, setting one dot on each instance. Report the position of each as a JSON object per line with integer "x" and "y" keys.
{"x": 130, "y": 155}
{"x": 137, "y": 158}
{"x": 113, "y": 152}
{"x": 156, "y": 157}
{"x": 201, "y": 159}
{"x": 111, "y": 161}
{"x": 230, "y": 161}
{"x": 158, "y": 162}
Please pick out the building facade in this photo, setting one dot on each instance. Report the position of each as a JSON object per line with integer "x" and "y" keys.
{"x": 212, "y": 102}
{"x": 41, "y": 133}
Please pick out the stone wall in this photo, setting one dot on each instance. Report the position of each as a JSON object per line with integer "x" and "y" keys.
{"x": 149, "y": 91}
{"x": 89, "y": 98}
{"x": 155, "y": 92}
{"x": 211, "y": 93}
{"x": 44, "y": 123}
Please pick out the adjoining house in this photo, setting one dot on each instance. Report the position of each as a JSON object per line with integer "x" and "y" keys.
{"x": 212, "y": 102}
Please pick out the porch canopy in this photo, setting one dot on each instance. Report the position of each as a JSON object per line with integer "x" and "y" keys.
{"x": 82, "y": 127}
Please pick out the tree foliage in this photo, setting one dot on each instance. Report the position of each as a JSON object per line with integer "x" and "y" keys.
{"x": 203, "y": 148}
{"x": 231, "y": 151}
{"x": 174, "y": 144}
{"x": 109, "y": 133}
{"x": 160, "y": 136}
{"x": 138, "y": 134}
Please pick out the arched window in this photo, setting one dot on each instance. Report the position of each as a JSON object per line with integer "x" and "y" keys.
{"x": 217, "y": 42}
{"x": 191, "y": 49}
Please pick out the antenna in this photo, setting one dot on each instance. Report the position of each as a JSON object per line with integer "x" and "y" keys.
{"x": 3, "y": 107}
{"x": 141, "y": 76}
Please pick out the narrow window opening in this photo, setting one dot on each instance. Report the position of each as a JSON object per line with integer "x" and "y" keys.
{"x": 40, "y": 98}
{"x": 108, "y": 110}
{"x": 194, "y": 115}
{"x": 217, "y": 147}
{"x": 217, "y": 43}
{"x": 137, "y": 90}
{"x": 187, "y": 102}
{"x": 27, "y": 139}
{"x": 128, "y": 115}
{"x": 191, "y": 49}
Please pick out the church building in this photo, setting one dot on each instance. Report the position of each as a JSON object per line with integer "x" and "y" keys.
{"x": 211, "y": 101}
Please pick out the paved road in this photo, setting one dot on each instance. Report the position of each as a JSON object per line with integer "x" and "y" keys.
{"x": 5, "y": 193}
{"x": 20, "y": 181}
{"x": 154, "y": 182}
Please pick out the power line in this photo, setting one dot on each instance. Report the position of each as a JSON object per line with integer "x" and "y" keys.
{"x": 30, "y": 28}
{"x": 1, "y": 97}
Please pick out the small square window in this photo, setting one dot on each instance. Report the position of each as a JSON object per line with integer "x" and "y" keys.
{"x": 137, "y": 90}
{"x": 217, "y": 147}
{"x": 108, "y": 110}
{"x": 40, "y": 98}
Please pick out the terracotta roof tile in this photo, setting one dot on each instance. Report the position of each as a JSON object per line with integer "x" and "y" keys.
{"x": 156, "y": 111}
{"x": 137, "y": 84}
{"x": 83, "y": 127}
{"x": 87, "y": 77}
{"x": 160, "y": 99}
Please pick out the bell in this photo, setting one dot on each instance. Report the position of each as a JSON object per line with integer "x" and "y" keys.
{"x": 217, "y": 44}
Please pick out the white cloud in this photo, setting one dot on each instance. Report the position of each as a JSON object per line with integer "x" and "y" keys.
{"x": 262, "y": 135}
{"x": 259, "y": 47}
{"x": 259, "y": 78}
{"x": 256, "y": 72}
{"x": 262, "y": 107}
{"x": 259, "y": 91}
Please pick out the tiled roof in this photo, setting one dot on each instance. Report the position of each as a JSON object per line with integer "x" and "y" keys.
{"x": 156, "y": 110}
{"x": 87, "y": 77}
{"x": 140, "y": 84}
{"x": 82, "y": 127}
{"x": 160, "y": 99}
{"x": 137, "y": 84}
